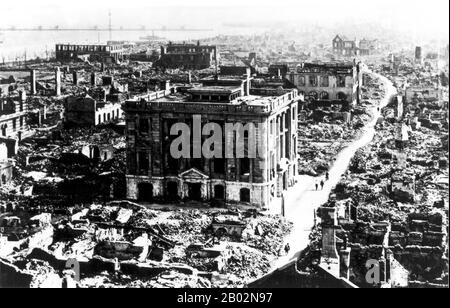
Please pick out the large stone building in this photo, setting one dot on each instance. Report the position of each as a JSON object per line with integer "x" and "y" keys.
{"x": 330, "y": 82}
{"x": 154, "y": 175}
{"x": 187, "y": 56}
{"x": 98, "y": 53}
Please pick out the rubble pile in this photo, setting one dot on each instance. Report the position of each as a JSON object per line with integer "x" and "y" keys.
{"x": 393, "y": 201}
{"x": 321, "y": 140}
{"x": 149, "y": 247}
{"x": 169, "y": 279}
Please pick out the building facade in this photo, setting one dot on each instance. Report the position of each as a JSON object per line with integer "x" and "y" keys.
{"x": 344, "y": 47}
{"x": 328, "y": 82}
{"x": 97, "y": 53}
{"x": 13, "y": 116}
{"x": 154, "y": 175}
{"x": 86, "y": 111}
{"x": 187, "y": 56}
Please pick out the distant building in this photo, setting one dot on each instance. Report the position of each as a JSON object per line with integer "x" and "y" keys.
{"x": 154, "y": 175}
{"x": 418, "y": 57}
{"x": 86, "y": 111}
{"x": 13, "y": 117}
{"x": 328, "y": 82}
{"x": 96, "y": 53}
{"x": 367, "y": 47}
{"x": 344, "y": 47}
{"x": 187, "y": 56}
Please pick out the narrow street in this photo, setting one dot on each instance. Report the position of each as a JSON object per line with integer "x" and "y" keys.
{"x": 303, "y": 200}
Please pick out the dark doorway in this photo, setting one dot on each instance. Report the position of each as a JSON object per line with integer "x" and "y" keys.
{"x": 219, "y": 192}
{"x": 172, "y": 191}
{"x": 341, "y": 96}
{"x": 195, "y": 192}
{"x": 245, "y": 195}
{"x": 95, "y": 153}
{"x": 145, "y": 192}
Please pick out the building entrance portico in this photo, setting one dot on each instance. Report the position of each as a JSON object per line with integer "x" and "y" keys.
{"x": 194, "y": 185}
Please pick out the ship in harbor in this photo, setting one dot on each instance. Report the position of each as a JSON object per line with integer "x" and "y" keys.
{"x": 152, "y": 37}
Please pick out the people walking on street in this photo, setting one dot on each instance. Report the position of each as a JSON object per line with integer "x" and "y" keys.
{"x": 317, "y": 186}
{"x": 287, "y": 248}
{"x": 322, "y": 184}
{"x": 327, "y": 176}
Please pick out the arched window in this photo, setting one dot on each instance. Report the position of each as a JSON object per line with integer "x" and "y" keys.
{"x": 245, "y": 195}
{"x": 341, "y": 96}
{"x": 324, "y": 95}
{"x": 313, "y": 95}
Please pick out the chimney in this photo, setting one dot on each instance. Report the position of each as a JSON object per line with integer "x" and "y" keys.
{"x": 75, "y": 77}
{"x": 58, "y": 81}
{"x": 345, "y": 259}
{"x": 252, "y": 56}
{"x": 247, "y": 82}
{"x": 93, "y": 79}
{"x": 33, "y": 82}
{"x": 22, "y": 96}
{"x": 383, "y": 267}
{"x": 353, "y": 211}
{"x": 329, "y": 260}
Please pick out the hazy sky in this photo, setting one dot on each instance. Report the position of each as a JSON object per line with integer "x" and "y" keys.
{"x": 422, "y": 17}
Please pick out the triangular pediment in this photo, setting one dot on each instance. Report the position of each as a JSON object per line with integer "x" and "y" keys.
{"x": 193, "y": 174}
{"x": 337, "y": 38}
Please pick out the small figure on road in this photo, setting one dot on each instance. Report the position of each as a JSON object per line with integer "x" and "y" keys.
{"x": 317, "y": 186}
{"x": 321, "y": 184}
{"x": 287, "y": 248}
{"x": 327, "y": 176}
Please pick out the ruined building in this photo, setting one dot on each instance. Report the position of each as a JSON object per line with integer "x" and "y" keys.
{"x": 187, "y": 56}
{"x": 153, "y": 174}
{"x": 86, "y": 111}
{"x": 97, "y": 53}
{"x": 344, "y": 47}
{"x": 328, "y": 83}
{"x": 13, "y": 120}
